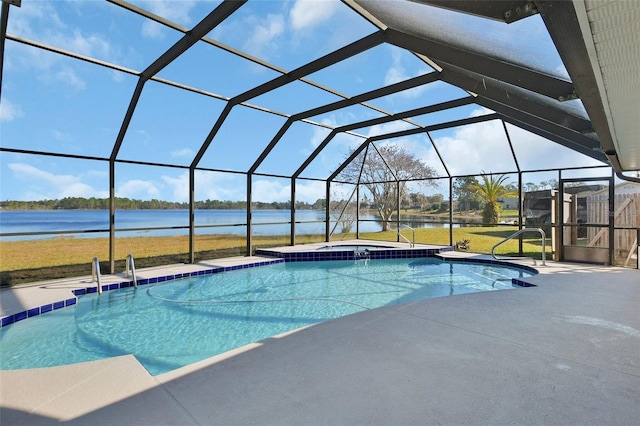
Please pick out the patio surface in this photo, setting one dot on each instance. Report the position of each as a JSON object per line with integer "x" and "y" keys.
{"x": 564, "y": 352}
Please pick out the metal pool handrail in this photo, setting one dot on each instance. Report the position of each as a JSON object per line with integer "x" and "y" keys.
{"x": 95, "y": 273}
{"x": 412, "y": 243}
{"x": 515, "y": 234}
{"x": 130, "y": 266}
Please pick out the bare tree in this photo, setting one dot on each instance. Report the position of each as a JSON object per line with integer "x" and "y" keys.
{"x": 343, "y": 212}
{"x": 385, "y": 171}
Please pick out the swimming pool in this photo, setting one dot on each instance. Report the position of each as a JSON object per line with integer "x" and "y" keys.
{"x": 171, "y": 324}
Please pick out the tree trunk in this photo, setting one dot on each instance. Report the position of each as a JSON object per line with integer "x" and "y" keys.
{"x": 384, "y": 216}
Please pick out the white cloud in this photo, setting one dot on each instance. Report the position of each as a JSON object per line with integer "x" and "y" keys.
{"x": 118, "y": 76}
{"x": 97, "y": 174}
{"x": 398, "y": 72}
{"x": 176, "y": 11}
{"x": 220, "y": 186}
{"x": 268, "y": 191}
{"x": 320, "y": 133}
{"x": 26, "y": 171}
{"x": 334, "y": 153}
{"x": 142, "y": 136}
{"x": 534, "y": 151}
{"x": 484, "y": 147}
{"x": 68, "y": 76}
{"x": 179, "y": 185}
{"x": 479, "y": 112}
{"x": 60, "y": 136}
{"x": 152, "y": 29}
{"x": 331, "y": 156}
{"x": 185, "y": 152}
{"x": 344, "y": 191}
{"x": 310, "y": 191}
{"x": 77, "y": 189}
{"x": 89, "y": 44}
{"x": 265, "y": 35}
{"x": 394, "y": 74}
{"x": 38, "y": 184}
{"x": 41, "y": 184}
{"x": 9, "y": 111}
{"x": 232, "y": 187}
{"x": 138, "y": 189}
{"x": 40, "y": 21}
{"x": 476, "y": 148}
{"x": 306, "y": 14}
{"x": 21, "y": 58}
{"x": 26, "y": 22}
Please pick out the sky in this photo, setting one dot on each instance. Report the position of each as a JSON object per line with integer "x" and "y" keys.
{"x": 53, "y": 103}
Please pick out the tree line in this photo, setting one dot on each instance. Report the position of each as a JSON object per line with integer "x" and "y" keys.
{"x": 80, "y": 203}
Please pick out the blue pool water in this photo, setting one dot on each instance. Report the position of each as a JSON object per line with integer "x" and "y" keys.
{"x": 173, "y": 324}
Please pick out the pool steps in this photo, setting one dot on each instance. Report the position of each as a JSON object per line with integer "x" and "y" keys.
{"x": 412, "y": 241}
{"x": 278, "y": 257}
{"x": 31, "y": 312}
{"x": 515, "y": 234}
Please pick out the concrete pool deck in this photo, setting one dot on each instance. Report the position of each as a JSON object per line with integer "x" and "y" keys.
{"x": 564, "y": 352}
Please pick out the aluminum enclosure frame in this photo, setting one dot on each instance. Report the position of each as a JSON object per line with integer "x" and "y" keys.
{"x": 518, "y": 95}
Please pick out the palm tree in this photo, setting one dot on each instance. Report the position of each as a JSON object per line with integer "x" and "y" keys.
{"x": 492, "y": 188}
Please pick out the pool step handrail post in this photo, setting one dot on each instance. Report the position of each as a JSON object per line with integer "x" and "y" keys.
{"x": 95, "y": 273}
{"x": 521, "y": 231}
{"x": 130, "y": 267}
{"x": 361, "y": 254}
{"x": 411, "y": 242}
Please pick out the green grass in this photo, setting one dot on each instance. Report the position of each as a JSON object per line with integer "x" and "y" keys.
{"x": 36, "y": 260}
{"x": 481, "y": 238}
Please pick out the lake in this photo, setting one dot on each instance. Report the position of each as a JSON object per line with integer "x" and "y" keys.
{"x": 95, "y": 223}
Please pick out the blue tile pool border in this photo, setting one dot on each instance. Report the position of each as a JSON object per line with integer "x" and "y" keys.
{"x": 515, "y": 281}
{"x": 348, "y": 254}
{"x": 278, "y": 257}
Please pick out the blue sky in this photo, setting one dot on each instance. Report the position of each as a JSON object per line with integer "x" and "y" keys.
{"x": 57, "y": 104}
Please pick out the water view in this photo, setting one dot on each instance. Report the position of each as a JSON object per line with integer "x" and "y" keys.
{"x": 95, "y": 223}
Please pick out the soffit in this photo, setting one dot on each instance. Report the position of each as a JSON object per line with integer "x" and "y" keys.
{"x": 614, "y": 30}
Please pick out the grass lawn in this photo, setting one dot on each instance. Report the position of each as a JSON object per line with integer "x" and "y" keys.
{"x": 481, "y": 239}
{"x": 36, "y": 260}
